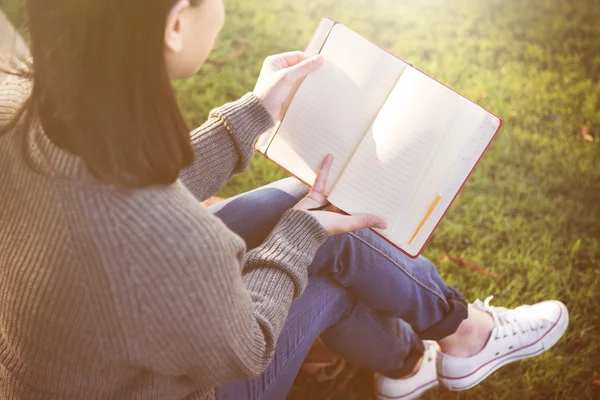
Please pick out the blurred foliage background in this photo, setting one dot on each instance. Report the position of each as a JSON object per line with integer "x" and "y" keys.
{"x": 530, "y": 213}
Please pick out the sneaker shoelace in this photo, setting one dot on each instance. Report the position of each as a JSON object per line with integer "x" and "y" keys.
{"x": 509, "y": 321}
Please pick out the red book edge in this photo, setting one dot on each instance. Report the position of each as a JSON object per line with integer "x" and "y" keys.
{"x": 459, "y": 189}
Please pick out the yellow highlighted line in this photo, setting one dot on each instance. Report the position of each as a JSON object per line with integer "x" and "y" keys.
{"x": 426, "y": 217}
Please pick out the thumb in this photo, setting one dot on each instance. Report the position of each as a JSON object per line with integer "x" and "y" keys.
{"x": 361, "y": 221}
{"x": 305, "y": 67}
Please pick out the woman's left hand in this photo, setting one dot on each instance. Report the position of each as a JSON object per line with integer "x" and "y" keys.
{"x": 278, "y": 76}
{"x": 328, "y": 215}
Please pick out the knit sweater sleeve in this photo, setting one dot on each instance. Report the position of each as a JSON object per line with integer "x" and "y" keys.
{"x": 204, "y": 308}
{"x": 224, "y": 145}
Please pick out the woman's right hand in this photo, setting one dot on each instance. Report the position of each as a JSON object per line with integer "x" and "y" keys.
{"x": 278, "y": 76}
{"x": 330, "y": 216}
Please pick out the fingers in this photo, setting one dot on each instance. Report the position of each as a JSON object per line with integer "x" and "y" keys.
{"x": 362, "y": 221}
{"x": 292, "y": 58}
{"x": 321, "y": 181}
{"x": 304, "y": 68}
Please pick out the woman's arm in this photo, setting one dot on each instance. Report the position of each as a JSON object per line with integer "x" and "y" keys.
{"x": 198, "y": 305}
{"x": 12, "y": 46}
{"x": 224, "y": 145}
{"x": 195, "y": 303}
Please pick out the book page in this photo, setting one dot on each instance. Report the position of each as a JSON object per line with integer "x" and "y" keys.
{"x": 334, "y": 107}
{"x": 455, "y": 171}
{"x": 398, "y": 167}
{"x": 314, "y": 47}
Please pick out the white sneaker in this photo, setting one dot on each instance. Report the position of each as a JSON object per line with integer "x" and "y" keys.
{"x": 524, "y": 332}
{"x": 414, "y": 386}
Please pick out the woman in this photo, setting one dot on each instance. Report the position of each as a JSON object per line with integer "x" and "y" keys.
{"x": 115, "y": 281}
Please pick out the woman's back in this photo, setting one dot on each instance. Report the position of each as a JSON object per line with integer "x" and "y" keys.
{"x": 33, "y": 241}
{"x": 73, "y": 254}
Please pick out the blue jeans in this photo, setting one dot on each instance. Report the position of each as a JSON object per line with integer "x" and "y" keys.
{"x": 366, "y": 300}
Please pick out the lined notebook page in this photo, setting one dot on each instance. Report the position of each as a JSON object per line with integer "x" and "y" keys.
{"x": 334, "y": 106}
{"x": 479, "y": 126}
{"x": 386, "y": 170}
{"x": 313, "y": 48}
{"x": 464, "y": 130}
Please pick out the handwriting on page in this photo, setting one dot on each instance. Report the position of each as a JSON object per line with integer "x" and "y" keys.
{"x": 335, "y": 105}
{"x": 389, "y": 164}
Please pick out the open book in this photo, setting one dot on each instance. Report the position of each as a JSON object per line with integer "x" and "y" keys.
{"x": 403, "y": 143}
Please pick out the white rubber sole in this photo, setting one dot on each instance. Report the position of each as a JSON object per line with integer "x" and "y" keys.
{"x": 409, "y": 396}
{"x": 543, "y": 344}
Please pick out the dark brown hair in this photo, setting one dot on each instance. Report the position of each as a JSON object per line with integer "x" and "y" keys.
{"x": 101, "y": 89}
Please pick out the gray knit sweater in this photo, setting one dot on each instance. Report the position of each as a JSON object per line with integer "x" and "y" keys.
{"x": 113, "y": 293}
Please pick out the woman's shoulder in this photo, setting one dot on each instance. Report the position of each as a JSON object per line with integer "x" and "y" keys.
{"x": 14, "y": 91}
{"x": 14, "y": 88}
{"x": 166, "y": 219}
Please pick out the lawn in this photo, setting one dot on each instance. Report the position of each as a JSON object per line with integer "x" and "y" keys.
{"x": 530, "y": 214}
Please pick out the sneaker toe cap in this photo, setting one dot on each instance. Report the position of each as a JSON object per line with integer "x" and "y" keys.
{"x": 551, "y": 310}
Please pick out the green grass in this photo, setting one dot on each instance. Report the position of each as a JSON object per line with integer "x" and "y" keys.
{"x": 531, "y": 211}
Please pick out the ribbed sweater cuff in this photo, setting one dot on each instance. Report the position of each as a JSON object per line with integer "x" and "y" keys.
{"x": 291, "y": 247}
{"x": 245, "y": 119}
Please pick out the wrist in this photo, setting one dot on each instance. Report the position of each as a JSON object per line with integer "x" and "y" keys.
{"x": 290, "y": 247}
{"x": 245, "y": 118}
{"x": 262, "y": 98}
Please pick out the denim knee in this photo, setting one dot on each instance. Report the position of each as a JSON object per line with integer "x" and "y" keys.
{"x": 392, "y": 283}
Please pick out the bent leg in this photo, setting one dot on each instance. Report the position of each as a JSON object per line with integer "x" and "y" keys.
{"x": 392, "y": 283}
{"x": 379, "y": 275}
{"x": 254, "y": 214}
{"x": 321, "y": 305}
{"x": 349, "y": 328}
